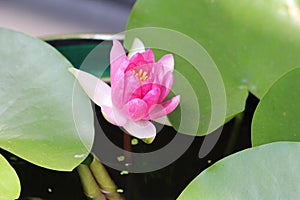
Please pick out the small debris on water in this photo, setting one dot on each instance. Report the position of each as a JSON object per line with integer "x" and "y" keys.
{"x": 124, "y": 172}
{"x": 121, "y": 158}
{"x": 120, "y": 190}
{"x": 134, "y": 141}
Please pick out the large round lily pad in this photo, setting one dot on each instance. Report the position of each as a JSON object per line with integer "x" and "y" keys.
{"x": 10, "y": 187}
{"x": 45, "y": 117}
{"x": 277, "y": 115}
{"x": 266, "y": 172}
{"x": 252, "y": 42}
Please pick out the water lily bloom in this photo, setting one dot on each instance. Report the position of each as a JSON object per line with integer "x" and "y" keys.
{"x": 139, "y": 86}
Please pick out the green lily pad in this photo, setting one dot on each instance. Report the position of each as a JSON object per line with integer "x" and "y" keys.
{"x": 266, "y": 172}
{"x": 10, "y": 187}
{"x": 277, "y": 115}
{"x": 45, "y": 118}
{"x": 252, "y": 42}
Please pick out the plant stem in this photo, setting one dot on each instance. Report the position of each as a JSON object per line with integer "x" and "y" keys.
{"x": 127, "y": 147}
{"x": 108, "y": 187}
{"x": 90, "y": 186}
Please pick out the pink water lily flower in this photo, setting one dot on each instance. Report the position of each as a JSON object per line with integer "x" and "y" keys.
{"x": 139, "y": 86}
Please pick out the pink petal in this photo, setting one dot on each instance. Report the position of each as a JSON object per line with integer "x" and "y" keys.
{"x": 157, "y": 73}
{"x": 136, "y": 60}
{"x": 120, "y": 71}
{"x": 117, "y": 54}
{"x": 140, "y": 129}
{"x": 149, "y": 56}
{"x": 168, "y": 62}
{"x": 113, "y": 115}
{"x": 145, "y": 88}
{"x": 108, "y": 115}
{"x": 97, "y": 90}
{"x": 141, "y": 91}
{"x": 117, "y": 93}
{"x": 166, "y": 83}
{"x": 164, "y": 108}
{"x": 136, "y": 109}
{"x": 131, "y": 85}
{"x": 152, "y": 97}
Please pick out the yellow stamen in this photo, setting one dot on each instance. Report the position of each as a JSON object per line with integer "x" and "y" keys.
{"x": 140, "y": 72}
{"x": 142, "y": 75}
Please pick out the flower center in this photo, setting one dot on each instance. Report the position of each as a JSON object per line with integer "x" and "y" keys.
{"x": 142, "y": 75}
